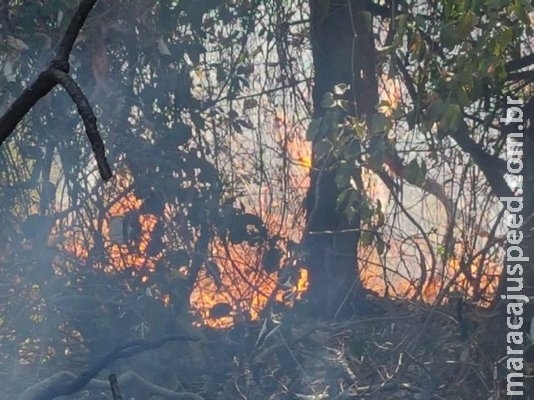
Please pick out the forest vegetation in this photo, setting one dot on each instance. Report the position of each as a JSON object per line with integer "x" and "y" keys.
{"x": 263, "y": 199}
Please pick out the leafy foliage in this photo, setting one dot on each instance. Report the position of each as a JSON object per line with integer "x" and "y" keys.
{"x": 171, "y": 83}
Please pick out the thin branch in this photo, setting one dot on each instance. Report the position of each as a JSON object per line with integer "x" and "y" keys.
{"x": 67, "y": 42}
{"x": 20, "y": 107}
{"x": 517, "y": 64}
{"x": 493, "y": 168}
{"x": 429, "y": 185}
{"x": 57, "y": 72}
{"x": 88, "y": 117}
{"x": 527, "y": 75}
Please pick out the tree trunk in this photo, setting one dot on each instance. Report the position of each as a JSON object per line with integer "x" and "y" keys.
{"x": 343, "y": 53}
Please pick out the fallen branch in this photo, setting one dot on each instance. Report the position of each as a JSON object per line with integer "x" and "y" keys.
{"x": 115, "y": 390}
{"x": 141, "y": 385}
{"x": 58, "y": 73}
{"x": 65, "y": 383}
{"x": 129, "y": 378}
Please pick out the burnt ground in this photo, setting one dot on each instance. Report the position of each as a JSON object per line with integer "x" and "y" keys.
{"x": 404, "y": 351}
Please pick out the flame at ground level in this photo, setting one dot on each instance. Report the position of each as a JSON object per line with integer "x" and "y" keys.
{"x": 233, "y": 286}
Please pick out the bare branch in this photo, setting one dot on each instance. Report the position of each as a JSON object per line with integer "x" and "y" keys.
{"x": 20, "y": 107}
{"x": 491, "y": 166}
{"x": 57, "y": 72}
{"x": 517, "y": 64}
{"x": 64, "y": 383}
{"x": 88, "y": 117}
{"x": 65, "y": 46}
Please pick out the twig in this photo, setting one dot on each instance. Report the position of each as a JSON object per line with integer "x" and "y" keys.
{"x": 88, "y": 117}
{"x": 57, "y": 73}
{"x": 115, "y": 390}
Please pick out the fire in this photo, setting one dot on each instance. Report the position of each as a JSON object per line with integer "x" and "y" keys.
{"x": 477, "y": 278}
{"x": 244, "y": 286}
{"x": 233, "y": 285}
{"x": 121, "y": 255}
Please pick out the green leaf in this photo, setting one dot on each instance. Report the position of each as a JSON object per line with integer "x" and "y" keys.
{"x": 376, "y": 152}
{"x": 380, "y": 218}
{"x": 330, "y": 125}
{"x": 343, "y": 175}
{"x": 448, "y": 36}
{"x": 415, "y": 173}
{"x": 435, "y": 111}
{"x": 466, "y": 25}
{"x": 163, "y": 48}
{"x": 313, "y": 129}
{"x": 379, "y": 123}
{"x": 322, "y": 148}
{"x": 328, "y": 100}
{"x": 366, "y": 212}
{"x": 506, "y": 36}
{"x": 366, "y": 238}
{"x": 342, "y": 197}
{"x": 380, "y": 244}
{"x": 451, "y": 117}
{"x": 250, "y": 103}
{"x": 341, "y": 88}
{"x": 521, "y": 12}
{"x": 350, "y": 212}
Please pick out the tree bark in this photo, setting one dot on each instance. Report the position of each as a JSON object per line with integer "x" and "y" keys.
{"x": 343, "y": 53}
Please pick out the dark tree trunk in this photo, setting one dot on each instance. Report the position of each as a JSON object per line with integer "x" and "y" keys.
{"x": 343, "y": 53}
